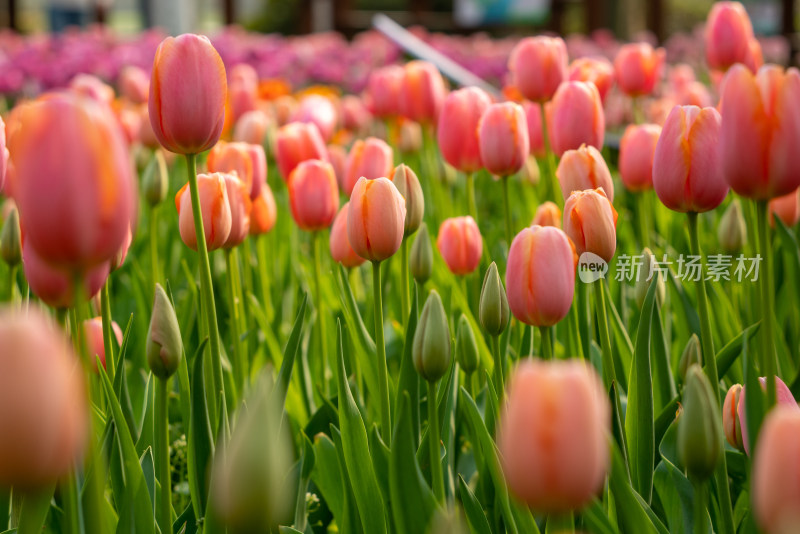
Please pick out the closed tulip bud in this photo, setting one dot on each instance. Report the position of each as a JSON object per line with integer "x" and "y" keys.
{"x": 638, "y": 68}
{"x": 776, "y": 497}
{"x": 11, "y": 240}
{"x": 421, "y": 260}
{"x": 732, "y": 230}
{"x": 155, "y": 180}
{"x": 784, "y": 397}
{"x": 376, "y": 219}
{"x": 460, "y": 244}
{"x": 410, "y": 140}
{"x": 538, "y": 65}
{"x": 318, "y": 110}
{"x": 728, "y": 33}
{"x": 422, "y": 92}
{"x": 649, "y": 275}
{"x": 457, "y": 129}
{"x": 407, "y": 184}
{"x": 241, "y": 206}
{"x": 383, "y": 91}
{"x": 313, "y": 195}
{"x": 699, "y": 429}
{"x": 187, "y": 94}
{"x": 547, "y": 214}
{"x": 554, "y": 435}
{"x": 636, "y": 151}
{"x": 297, "y": 142}
{"x": 466, "y": 347}
{"x": 596, "y": 70}
{"x": 263, "y": 212}
{"x": 730, "y": 417}
{"x": 503, "y": 138}
{"x": 134, "y": 84}
{"x": 687, "y": 171}
{"x": 576, "y": 117}
{"x": 590, "y": 220}
{"x": 371, "y": 158}
{"x": 93, "y": 330}
{"x": 44, "y": 410}
{"x": 251, "y": 127}
{"x": 164, "y": 346}
{"x": 494, "y": 312}
{"x": 583, "y": 169}
{"x": 692, "y": 355}
{"x": 540, "y": 275}
{"x": 215, "y": 209}
{"x": 431, "y": 349}
{"x": 341, "y": 251}
{"x": 760, "y": 130}
{"x": 786, "y": 208}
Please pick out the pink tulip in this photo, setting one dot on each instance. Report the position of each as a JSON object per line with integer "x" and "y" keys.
{"x": 92, "y": 87}
{"x": 582, "y": 169}
{"x": 422, "y": 92}
{"x": 457, "y": 129}
{"x": 237, "y": 158}
{"x": 540, "y": 276}
{"x": 598, "y": 71}
{"x": 355, "y": 115}
{"x": 503, "y": 138}
{"x": 533, "y": 116}
{"x": 636, "y": 151}
{"x": 93, "y": 330}
{"x": 638, "y": 68}
{"x": 590, "y": 220}
{"x": 3, "y": 155}
{"x": 786, "y": 208}
{"x": 575, "y": 117}
{"x": 547, "y": 214}
{"x": 214, "y": 207}
{"x": 318, "y": 110}
{"x": 460, "y": 244}
{"x": 383, "y": 91}
{"x": 538, "y": 65}
{"x": 119, "y": 258}
{"x": 761, "y": 131}
{"x": 251, "y": 127}
{"x": 341, "y": 251}
{"x": 371, "y": 158}
{"x": 264, "y": 212}
{"x": 554, "y": 435}
{"x": 730, "y": 417}
{"x": 337, "y": 156}
{"x": 241, "y": 206}
{"x": 297, "y": 142}
{"x": 728, "y": 33}
{"x": 784, "y": 397}
{"x": 375, "y": 219}
{"x": 187, "y": 94}
{"x": 313, "y": 195}
{"x": 687, "y": 172}
{"x": 134, "y": 84}
{"x": 242, "y": 90}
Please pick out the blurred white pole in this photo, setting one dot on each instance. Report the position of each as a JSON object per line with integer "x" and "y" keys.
{"x": 175, "y": 16}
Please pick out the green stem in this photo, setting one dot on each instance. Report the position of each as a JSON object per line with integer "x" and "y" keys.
{"x": 609, "y": 374}
{"x": 164, "y": 508}
{"x": 69, "y": 496}
{"x": 769, "y": 365}
{"x": 549, "y": 159}
{"x": 507, "y": 202}
{"x": 383, "y": 378}
{"x": 404, "y": 297}
{"x": 499, "y": 370}
{"x": 16, "y": 508}
{"x": 263, "y": 274}
{"x": 206, "y": 283}
{"x": 560, "y": 523}
{"x": 242, "y": 315}
{"x": 547, "y": 347}
{"x": 643, "y": 218}
{"x": 154, "y": 265}
{"x": 322, "y": 326}
{"x": 437, "y": 480}
{"x": 700, "y": 516}
{"x": 105, "y": 311}
{"x": 238, "y": 364}
{"x": 12, "y": 284}
{"x": 584, "y": 318}
{"x": 471, "y": 207}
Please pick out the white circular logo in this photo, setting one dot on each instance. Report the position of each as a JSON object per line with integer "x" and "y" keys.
{"x": 591, "y": 267}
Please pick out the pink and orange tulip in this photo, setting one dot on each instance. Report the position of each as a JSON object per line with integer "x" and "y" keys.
{"x": 538, "y": 65}
{"x": 638, "y": 67}
{"x": 251, "y": 127}
{"x": 582, "y": 169}
{"x": 786, "y": 208}
{"x": 241, "y": 206}
{"x": 783, "y": 398}
{"x": 341, "y": 251}
{"x": 636, "y": 151}
{"x": 457, "y": 129}
{"x": 547, "y": 214}
{"x": 371, "y": 158}
{"x": 383, "y": 91}
{"x": 318, "y": 110}
{"x": 376, "y": 219}
{"x": 93, "y": 330}
{"x": 422, "y": 92}
{"x": 215, "y": 209}
{"x": 313, "y": 195}
{"x": 590, "y": 220}
{"x": 297, "y": 142}
{"x": 598, "y": 71}
{"x": 728, "y": 34}
{"x": 575, "y": 117}
{"x": 503, "y": 138}
{"x": 460, "y": 244}
{"x": 264, "y": 212}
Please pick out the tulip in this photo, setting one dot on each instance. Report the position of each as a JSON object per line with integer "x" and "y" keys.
{"x": 422, "y": 92}
{"x": 638, "y": 68}
{"x": 248, "y": 161}
{"x": 187, "y": 94}
{"x": 554, "y": 435}
{"x": 547, "y": 214}
{"x": 371, "y": 158}
{"x": 775, "y": 490}
{"x": 73, "y": 181}
{"x": 699, "y": 431}
{"x": 240, "y": 207}
{"x": 134, "y": 84}
{"x": 383, "y": 90}
{"x": 760, "y": 130}
{"x": 647, "y": 277}
{"x": 732, "y": 230}
{"x": 783, "y": 396}
{"x": 575, "y": 117}
{"x": 533, "y": 116}
{"x": 119, "y": 258}
{"x": 728, "y": 33}
{"x": 590, "y": 220}
{"x": 599, "y": 71}
{"x": 538, "y": 65}
{"x": 215, "y": 209}
{"x": 431, "y": 349}
{"x": 355, "y": 115}
{"x": 242, "y": 90}
{"x": 164, "y": 345}
{"x": 297, "y": 142}
{"x": 11, "y": 240}
{"x": 582, "y": 169}
{"x": 730, "y": 417}
{"x": 466, "y": 347}
{"x": 3, "y": 155}
{"x": 636, "y": 151}
{"x": 320, "y": 111}
{"x": 503, "y": 137}
{"x": 687, "y": 171}
{"x": 457, "y": 129}
{"x": 93, "y": 330}
{"x": 263, "y": 212}
{"x": 313, "y": 195}
{"x": 407, "y": 184}
{"x": 493, "y": 310}
{"x": 43, "y": 402}
{"x": 410, "y": 137}
{"x": 155, "y": 180}
{"x": 540, "y": 275}
{"x": 376, "y": 219}
{"x": 341, "y": 251}
{"x": 251, "y": 127}
{"x": 421, "y": 262}
{"x": 460, "y": 244}
{"x": 786, "y": 208}
{"x": 337, "y": 156}
{"x": 92, "y": 87}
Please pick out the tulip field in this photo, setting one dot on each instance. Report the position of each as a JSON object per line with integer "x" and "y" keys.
{"x": 260, "y": 284}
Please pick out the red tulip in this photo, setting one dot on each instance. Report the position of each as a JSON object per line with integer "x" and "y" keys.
{"x": 214, "y": 207}
{"x": 728, "y": 33}
{"x": 538, "y": 65}
{"x": 590, "y": 220}
{"x": 341, "y": 251}
{"x": 636, "y": 151}
{"x": 313, "y": 195}
{"x": 786, "y": 208}
{"x": 575, "y": 117}
{"x": 376, "y": 219}
{"x": 460, "y": 244}
{"x": 503, "y": 137}
{"x": 422, "y": 92}
{"x": 264, "y": 212}
{"x": 457, "y": 129}
{"x": 599, "y": 71}
{"x": 371, "y": 158}
{"x": 297, "y": 142}
{"x": 241, "y": 206}
{"x": 638, "y": 68}
{"x": 583, "y": 169}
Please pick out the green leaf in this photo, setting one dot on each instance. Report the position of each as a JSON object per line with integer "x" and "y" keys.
{"x": 754, "y": 400}
{"x": 631, "y": 515}
{"x": 596, "y": 520}
{"x": 149, "y": 470}
{"x": 730, "y": 352}
{"x": 290, "y": 354}
{"x": 327, "y": 475}
{"x": 478, "y": 522}
{"x": 35, "y": 506}
{"x": 662, "y": 374}
{"x": 409, "y": 378}
{"x": 146, "y": 432}
{"x": 350, "y": 520}
{"x": 201, "y": 447}
{"x": 380, "y": 461}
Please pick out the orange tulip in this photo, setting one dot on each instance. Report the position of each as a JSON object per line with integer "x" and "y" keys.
{"x": 93, "y": 330}
{"x": 241, "y": 206}
{"x": 638, "y": 68}
{"x": 341, "y": 251}
{"x": 313, "y": 195}
{"x": 375, "y": 219}
{"x": 460, "y": 244}
{"x": 728, "y": 33}
{"x": 187, "y": 94}
{"x": 297, "y": 142}
{"x": 318, "y": 110}
{"x": 457, "y": 129}
{"x": 598, "y": 71}
{"x": 786, "y": 208}
{"x": 264, "y": 212}
{"x": 575, "y": 117}
{"x": 214, "y": 207}
{"x": 538, "y": 65}
{"x": 554, "y": 435}
{"x": 547, "y": 214}
{"x": 251, "y": 127}
{"x": 636, "y": 151}
{"x": 370, "y": 158}
{"x": 422, "y": 92}
{"x": 583, "y": 169}
{"x": 760, "y": 131}
{"x": 540, "y": 275}
{"x": 503, "y": 138}
{"x": 590, "y": 220}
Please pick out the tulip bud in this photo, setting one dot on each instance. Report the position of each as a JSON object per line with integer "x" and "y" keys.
{"x": 431, "y": 349}
{"x": 730, "y": 418}
{"x": 164, "y": 346}
{"x": 494, "y": 312}
{"x": 590, "y": 220}
{"x": 11, "y": 240}
{"x": 155, "y": 180}
{"x": 421, "y": 260}
{"x": 728, "y": 33}
{"x": 732, "y": 230}
{"x": 692, "y": 355}
{"x": 638, "y": 68}
{"x": 636, "y": 150}
{"x": 460, "y": 244}
{"x": 313, "y": 194}
{"x": 699, "y": 429}
{"x": 376, "y": 220}
{"x": 547, "y": 214}
{"x": 93, "y": 330}
{"x": 538, "y": 65}
{"x": 643, "y": 283}
{"x": 466, "y": 346}
{"x": 783, "y": 397}
{"x": 407, "y": 184}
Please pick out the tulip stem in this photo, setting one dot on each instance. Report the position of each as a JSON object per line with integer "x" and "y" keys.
{"x": 547, "y": 347}
{"x": 238, "y": 361}
{"x": 206, "y": 283}
{"x": 161, "y": 438}
{"x": 609, "y": 374}
{"x": 154, "y": 265}
{"x": 560, "y": 523}
{"x": 383, "y": 378}
{"x": 507, "y": 202}
{"x": 498, "y": 368}
{"x": 404, "y": 297}
{"x": 549, "y": 160}
{"x": 643, "y": 218}
{"x": 471, "y": 207}
{"x": 323, "y": 339}
{"x": 437, "y": 480}
{"x": 266, "y": 292}
{"x": 584, "y": 318}
{"x": 700, "y": 516}
{"x": 105, "y": 312}
{"x": 769, "y": 365}
{"x": 709, "y": 357}
{"x": 12, "y": 284}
